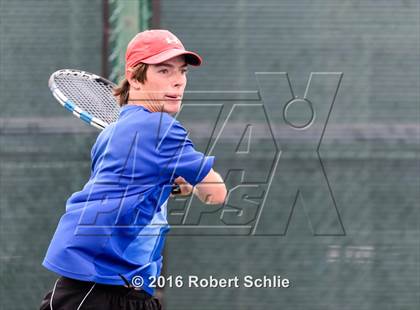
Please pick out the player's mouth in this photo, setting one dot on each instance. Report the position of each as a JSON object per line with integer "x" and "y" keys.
{"x": 173, "y": 97}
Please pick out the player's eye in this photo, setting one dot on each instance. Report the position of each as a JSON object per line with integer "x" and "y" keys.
{"x": 164, "y": 71}
{"x": 184, "y": 71}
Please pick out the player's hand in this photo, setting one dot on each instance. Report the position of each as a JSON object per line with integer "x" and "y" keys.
{"x": 186, "y": 188}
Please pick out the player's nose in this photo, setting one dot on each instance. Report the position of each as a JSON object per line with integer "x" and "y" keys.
{"x": 179, "y": 80}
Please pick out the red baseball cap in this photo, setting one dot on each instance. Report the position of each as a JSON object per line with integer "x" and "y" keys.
{"x": 156, "y": 46}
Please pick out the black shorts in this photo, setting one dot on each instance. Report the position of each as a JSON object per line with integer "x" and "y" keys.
{"x": 70, "y": 294}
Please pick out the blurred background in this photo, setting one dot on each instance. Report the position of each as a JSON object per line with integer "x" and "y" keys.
{"x": 344, "y": 229}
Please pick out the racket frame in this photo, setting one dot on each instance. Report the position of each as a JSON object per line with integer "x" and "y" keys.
{"x": 71, "y": 106}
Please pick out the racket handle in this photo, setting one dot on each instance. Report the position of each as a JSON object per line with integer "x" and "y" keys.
{"x": 176, "y": 189}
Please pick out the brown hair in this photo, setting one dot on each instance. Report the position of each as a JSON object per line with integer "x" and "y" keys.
{"x": 123, "y": 89}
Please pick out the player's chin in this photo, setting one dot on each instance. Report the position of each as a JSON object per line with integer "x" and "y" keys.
{"x": 172, "y": 106}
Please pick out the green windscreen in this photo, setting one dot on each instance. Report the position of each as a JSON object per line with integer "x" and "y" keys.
{"x": 311, "y": 109}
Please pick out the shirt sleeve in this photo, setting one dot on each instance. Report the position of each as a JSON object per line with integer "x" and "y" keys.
{"x": 177, "y": 156}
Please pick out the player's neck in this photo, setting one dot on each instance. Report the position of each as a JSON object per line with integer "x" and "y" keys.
{"x": 151, "y": 106}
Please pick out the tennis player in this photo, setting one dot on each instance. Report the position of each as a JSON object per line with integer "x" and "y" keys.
{"x": 113, "y": 230}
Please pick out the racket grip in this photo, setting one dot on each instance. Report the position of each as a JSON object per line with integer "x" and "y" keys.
{"x": 176, "y": 189}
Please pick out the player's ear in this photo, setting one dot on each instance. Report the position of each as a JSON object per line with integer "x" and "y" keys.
{"x": 134, "y": 83}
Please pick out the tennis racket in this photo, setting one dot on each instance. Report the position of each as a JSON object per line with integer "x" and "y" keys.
{"x": 89, "y": 97}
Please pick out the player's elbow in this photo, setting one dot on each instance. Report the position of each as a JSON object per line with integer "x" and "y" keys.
{"x": 212, "y": 189}
{"x": 218, "y": 195}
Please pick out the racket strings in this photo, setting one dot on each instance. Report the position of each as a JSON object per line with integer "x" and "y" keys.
{"x": 90, "y": 95}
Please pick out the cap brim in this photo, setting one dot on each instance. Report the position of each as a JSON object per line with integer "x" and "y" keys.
{"x": 190, "y": 57}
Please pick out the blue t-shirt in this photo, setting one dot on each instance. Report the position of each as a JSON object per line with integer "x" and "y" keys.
{"x": 116, "y": 225}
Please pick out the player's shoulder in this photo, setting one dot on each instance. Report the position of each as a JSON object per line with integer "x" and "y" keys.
{"x": 106, "y": 132}
{"x": 168, "y": 124}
